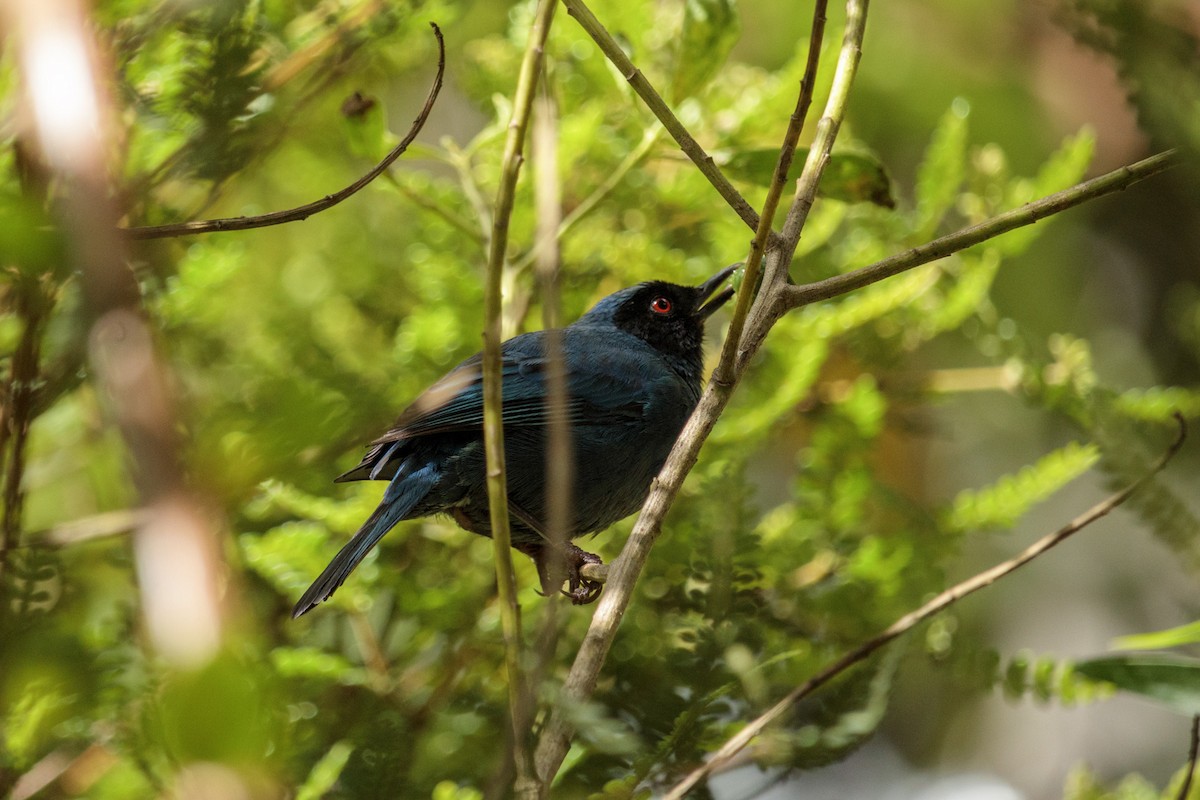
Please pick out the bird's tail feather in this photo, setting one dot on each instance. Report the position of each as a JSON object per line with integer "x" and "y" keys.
{"x": 402, "y": 495}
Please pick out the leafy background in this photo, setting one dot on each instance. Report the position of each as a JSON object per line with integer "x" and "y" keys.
{"x": 884, "y": 444}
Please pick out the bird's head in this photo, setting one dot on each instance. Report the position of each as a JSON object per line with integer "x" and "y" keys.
{"x": 667, "y": 316}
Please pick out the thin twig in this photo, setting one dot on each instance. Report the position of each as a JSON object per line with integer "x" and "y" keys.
{"x": 1115, "y": 181}
{"x": 450, "y": 217}
{"x": 1193, "y": 752}
{"x": 461, "y": 161}
{"x": 317, "y": 206}
{"x": 625, "y": 570}
{"x": 778, "y": 264}
{"x": 653, "y": 100}
{"x": 724, "y": 372}
{"x": 527, "y": 784}
{"x": 790, "y": 297}
{"x": 906, "y": 623}
{"x": 85, "y": 529}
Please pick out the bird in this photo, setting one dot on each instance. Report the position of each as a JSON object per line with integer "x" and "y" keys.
{"x": 633, "y": 367}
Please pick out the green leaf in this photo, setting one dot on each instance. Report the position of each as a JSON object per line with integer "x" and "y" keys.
{"x": 1160, "y": 640}
{"x": 942, "y": 170}
{"x": 849, "y": 177}
{"x": 1004, "y": 502}
{"x": 1170, "y": 679}
{"x": 710, "y": 29}
{"x": 1065, "y": 167}
{"x": 325, "y": 772}
{"x": 1159, "y": 403}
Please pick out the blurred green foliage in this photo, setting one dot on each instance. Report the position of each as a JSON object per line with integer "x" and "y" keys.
{"x": 803, "y": 530}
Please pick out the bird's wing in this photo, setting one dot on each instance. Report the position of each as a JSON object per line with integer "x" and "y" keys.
{"x": 600, "y": 391}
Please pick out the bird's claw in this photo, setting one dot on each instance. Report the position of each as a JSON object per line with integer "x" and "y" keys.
{"x": 581, "y": 590}
{"x": 571, "y": 559}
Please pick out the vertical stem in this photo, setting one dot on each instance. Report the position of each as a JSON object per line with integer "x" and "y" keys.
{"x": 70, "y": 121}
{"x": 559, "y": 463}
{"x": 493, "y": 419}
{"x": 18, "y": 415}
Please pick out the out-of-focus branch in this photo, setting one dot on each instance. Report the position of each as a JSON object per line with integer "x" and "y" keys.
{"x": 909, "y": 621}
{"x": 559, "y": 473}
{"x": 653, "y": 100}
{"x": 16, "y": 416}
{"x": 317, "y": 206}
{"x": 1193, "y": 752}
{"x": 527, "y": 784}
{"x": 67, "y": 115}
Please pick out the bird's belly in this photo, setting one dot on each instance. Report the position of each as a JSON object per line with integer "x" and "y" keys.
{"x": 613, "y": 468}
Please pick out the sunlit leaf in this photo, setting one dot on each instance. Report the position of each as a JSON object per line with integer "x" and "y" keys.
{"x": 1160, "y": 640}
{"x": 710, "y": 29}
{"x": 325, "y": 772}
{"x": 849, "y": 177}
{"x": 941, "y": 173}
{"x": 1004, "y": 502}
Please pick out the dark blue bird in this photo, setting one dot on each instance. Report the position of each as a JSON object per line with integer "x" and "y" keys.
{"x": 633, "y": 378}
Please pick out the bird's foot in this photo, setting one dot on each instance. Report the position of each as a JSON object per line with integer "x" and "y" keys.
{"x": 582, "y": 591}
{"x": 563, "y": 565}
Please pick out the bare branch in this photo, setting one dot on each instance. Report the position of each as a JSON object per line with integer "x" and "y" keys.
{"x": 653, "y": 100}
{"x": 906, "y": 623}
{"x": 626, "y": 568}
{"x": 1115, "y": 181}
{"x": 788, "y": 297}
{"x": 317, "y": 206}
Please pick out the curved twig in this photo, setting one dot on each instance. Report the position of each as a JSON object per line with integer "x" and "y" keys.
{"x": 307, "y": 210}
{"x": 910, "y": 620}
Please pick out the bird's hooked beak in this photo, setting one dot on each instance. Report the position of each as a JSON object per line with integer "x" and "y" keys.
{"x": 709, "y": 286}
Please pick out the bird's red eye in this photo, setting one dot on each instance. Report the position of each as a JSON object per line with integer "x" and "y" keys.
{"x": 660, "y": 305}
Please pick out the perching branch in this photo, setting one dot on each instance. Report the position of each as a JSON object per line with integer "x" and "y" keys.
{"x": 527, "y": 784}
{"x": 653, "y": 100}
{"x": 625, "y": 570}
{"x": 317, "y": 206}
{"x": 906, "y": 623}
